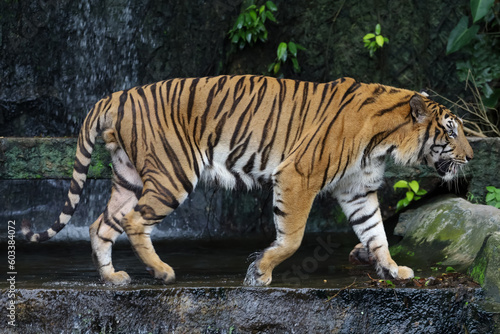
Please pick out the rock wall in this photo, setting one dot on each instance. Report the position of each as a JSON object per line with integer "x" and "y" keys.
{"x": 59, "y": 57}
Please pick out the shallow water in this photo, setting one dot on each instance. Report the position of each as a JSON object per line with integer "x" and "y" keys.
{"x": 320, "y": 262}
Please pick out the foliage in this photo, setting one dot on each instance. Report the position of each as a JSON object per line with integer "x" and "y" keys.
{"x": 249, "y": 26}
{"x": 493, "y": 197}
{"x": 285, "y": 52}
{"x": 413, "y": 193}
{"x": 479, "y": 43}
{"x": 375, "y": 41}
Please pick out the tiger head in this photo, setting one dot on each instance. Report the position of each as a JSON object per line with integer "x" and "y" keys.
{"x": 442, "y": 140}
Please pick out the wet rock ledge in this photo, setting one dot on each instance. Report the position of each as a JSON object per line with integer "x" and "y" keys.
{"x": 250, "y": 310}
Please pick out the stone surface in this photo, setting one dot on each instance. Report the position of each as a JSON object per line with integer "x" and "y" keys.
{"x": 486, "y": 267}
{"x": 447, "y": 230}
{"x": 248, "y": 310}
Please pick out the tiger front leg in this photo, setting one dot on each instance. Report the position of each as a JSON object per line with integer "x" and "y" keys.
{"x": 362, "y": 210}
{"x": 291, "y": 205}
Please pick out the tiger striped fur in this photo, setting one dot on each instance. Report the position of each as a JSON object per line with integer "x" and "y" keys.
{"x": 302, "y": 137}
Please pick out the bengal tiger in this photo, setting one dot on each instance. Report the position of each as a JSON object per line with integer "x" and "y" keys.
{"x": 302, "y": 137}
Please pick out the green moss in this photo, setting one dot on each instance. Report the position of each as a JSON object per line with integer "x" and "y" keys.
{"x": 478, "y": 269}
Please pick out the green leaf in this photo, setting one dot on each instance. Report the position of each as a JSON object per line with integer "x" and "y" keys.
{"x": 249, "y": 37}
{"x": 386, "y": 39}
{"x": 270, "y": 16}
{"x": 239, "y": 21}
{"x": 378, "y": 29}
{"x": 270, "y": 67}
{"x": 369, "y": 36}
{"x": 497, "y": 205}
{"x": 262, "y": 8}
{"x": 421, "y": 192}
{"x": 380, "y": 40}
{"x": 497, "y": 197}
{"x": 400, "y": 184}
{"x": 296, "y": 66}
{"x": 282, "y": 54}
{"x": 460, "y": 36}
{"x": 253, "y": 15}
{"x": 271, "y": 6}
{"x": 409, "y": 196}
{"x": 414, "y": 186}
{"x": 235, "y": 39}
{"x": 300, "y": 47}
{"x": 450, "y": 270}
{"x": 490, "y": 197}
{"x": 400, "y": 205}
{"x": 276, "y": 68}
{"x": 480, "y": 8}
{"x": 491, "y": 189}
{"x": 292, "y": 48}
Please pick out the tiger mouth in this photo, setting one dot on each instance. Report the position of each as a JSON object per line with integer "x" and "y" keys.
{"x": 446, "y": 167}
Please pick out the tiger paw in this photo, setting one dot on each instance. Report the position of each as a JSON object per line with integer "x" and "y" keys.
{"x": 117, "y": 278}
{"x": 166, "y": 274}
{"x": 405, "y": 272}
{"x": 255, "y": 278}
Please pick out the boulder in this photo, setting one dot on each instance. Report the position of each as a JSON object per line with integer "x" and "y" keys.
{"x": 486, "y": 267}
{"x": 446, "y": 230}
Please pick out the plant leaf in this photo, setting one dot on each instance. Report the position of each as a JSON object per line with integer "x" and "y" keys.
{"x": 300, "y": 47}
{"x": 480, "y": 8}
{"x": 277, "y": 67}
{"x": 421, "y": 192}
{"x": 380, "y": 40}
{"x": 253, "y": 15}
{"x": 378, "y": 29}
{"x": 235, "y": 39}
{"x": 410, "y": 195}
{"x": 490, "y": 197}
{"x": 369, "y": 36}
{"x": 460, "y": 36}
{"x": 400, "y": 206}
{"x": 292, "y": 48}
{"x": 239, "y": 21}
{"x": 271, "y": 6}
{"x": 270, "y": 16}
{"x": 296, "y": 66}
{"x": 282, "y": 53}
{"x": 414, "y": 186}
{"x": 491, "y": 189}
{"x": 400, "y": 184}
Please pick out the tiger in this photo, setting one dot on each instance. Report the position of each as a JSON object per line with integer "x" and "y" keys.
{"x": 242, "y": 131}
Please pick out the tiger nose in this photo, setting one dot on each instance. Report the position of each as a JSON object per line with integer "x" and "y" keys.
{"x": 468, "y": 158}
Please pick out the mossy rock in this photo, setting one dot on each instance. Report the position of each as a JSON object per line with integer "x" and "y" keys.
{"x": 447, "y": 229}
{"x": 486, "y": 267}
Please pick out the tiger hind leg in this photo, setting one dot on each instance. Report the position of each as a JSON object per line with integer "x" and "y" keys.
{"x": 127, "y": 186}
{"x": 156, "y": 203}
{"x": 292, "y": 202}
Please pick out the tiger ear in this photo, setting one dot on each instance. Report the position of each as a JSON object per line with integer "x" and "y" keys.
{"x": 419, "y": 110}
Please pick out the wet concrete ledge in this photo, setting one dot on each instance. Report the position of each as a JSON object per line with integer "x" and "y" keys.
{"x": 250, "y": 310}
